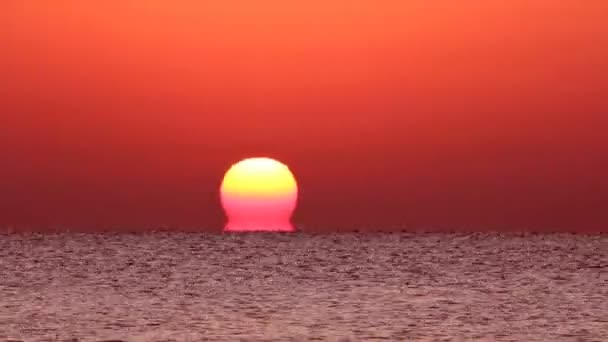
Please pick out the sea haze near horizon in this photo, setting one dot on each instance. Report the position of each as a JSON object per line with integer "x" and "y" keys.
{"x": 290, "y": 287}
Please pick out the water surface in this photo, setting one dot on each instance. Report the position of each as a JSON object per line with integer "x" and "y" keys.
{"x": 222, "y": 287}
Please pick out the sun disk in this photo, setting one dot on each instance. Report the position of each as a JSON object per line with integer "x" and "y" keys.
{"x": 259, "y": 194}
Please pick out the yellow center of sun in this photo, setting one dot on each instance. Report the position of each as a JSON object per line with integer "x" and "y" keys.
{"x": 263, "y": 177}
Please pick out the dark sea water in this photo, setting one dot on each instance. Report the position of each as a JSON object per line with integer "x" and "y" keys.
{"x": 301, "y": 287}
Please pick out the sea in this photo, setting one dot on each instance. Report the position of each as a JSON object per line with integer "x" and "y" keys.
{"x": 168, "y": 286}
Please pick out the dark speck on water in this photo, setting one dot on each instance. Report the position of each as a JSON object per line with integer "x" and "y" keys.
{"x": 302, "y": 287}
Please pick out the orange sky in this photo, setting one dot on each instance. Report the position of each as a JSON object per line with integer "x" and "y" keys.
{"x": 437, "y": 113}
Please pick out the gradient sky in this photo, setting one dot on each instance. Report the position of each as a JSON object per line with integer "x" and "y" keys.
{"x": 480, "y": 114}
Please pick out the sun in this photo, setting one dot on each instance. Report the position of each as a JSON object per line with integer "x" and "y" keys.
{"x": 259, "y": 194}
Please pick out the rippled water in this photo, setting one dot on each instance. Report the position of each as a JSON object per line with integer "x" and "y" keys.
{"x": 206, "y": 287}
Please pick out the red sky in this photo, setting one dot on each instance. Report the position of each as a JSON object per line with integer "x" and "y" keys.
{"x": 479, "y": 114}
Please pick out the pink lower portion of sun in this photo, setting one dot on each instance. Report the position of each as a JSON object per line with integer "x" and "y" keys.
{"x": 259, "y": 227}
{"x": 249, "y": 213}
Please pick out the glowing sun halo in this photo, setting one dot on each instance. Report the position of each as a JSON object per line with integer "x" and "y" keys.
{"x": 259, "y": 194}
